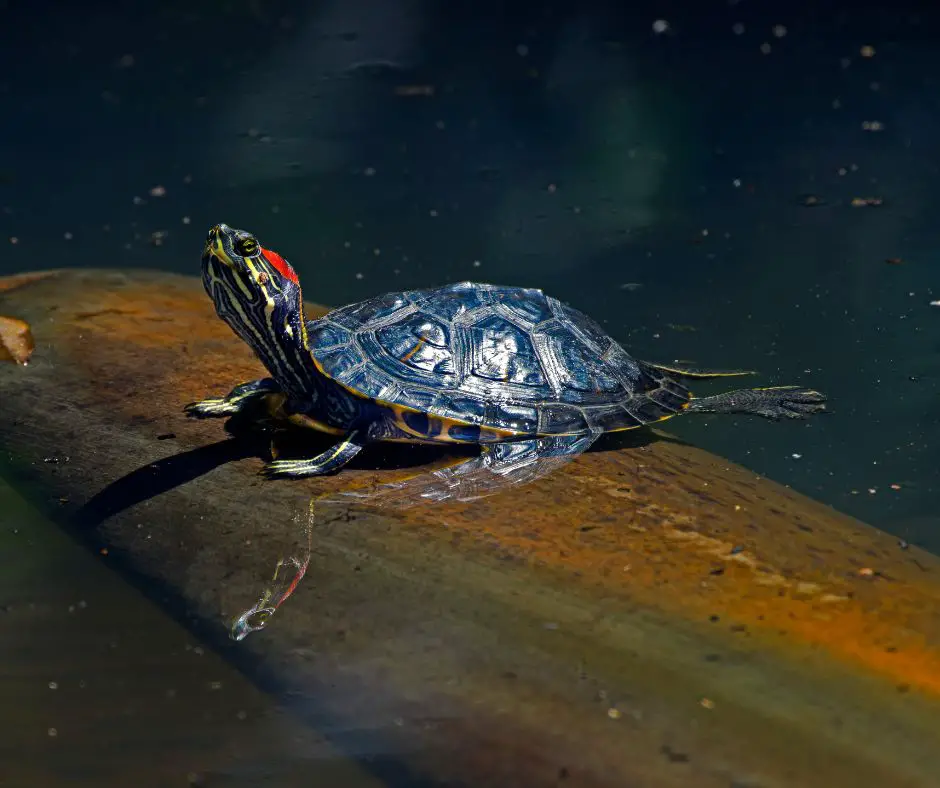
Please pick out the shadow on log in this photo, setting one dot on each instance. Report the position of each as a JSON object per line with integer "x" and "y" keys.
{"x": 648, "y": 615}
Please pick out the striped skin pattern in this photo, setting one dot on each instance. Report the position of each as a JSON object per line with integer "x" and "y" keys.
{"x": 509, "y": 368}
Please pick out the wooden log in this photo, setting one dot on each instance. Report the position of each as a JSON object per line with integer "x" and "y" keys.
{"x": 647, "y": 615}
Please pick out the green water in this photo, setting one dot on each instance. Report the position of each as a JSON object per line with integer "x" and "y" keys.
{"x": 101, "y": 688}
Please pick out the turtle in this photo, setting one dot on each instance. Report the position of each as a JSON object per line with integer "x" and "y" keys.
{"x": 518, "y": 372}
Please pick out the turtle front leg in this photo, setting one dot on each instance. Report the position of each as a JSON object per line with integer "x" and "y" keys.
{"x": 234, "y": 402}
{"x": 329, "y": 461}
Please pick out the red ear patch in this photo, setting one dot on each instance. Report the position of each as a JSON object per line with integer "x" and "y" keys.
{"x": 281, "y": 265}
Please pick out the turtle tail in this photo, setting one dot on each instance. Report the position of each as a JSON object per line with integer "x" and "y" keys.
{"x": 684, "y": 371}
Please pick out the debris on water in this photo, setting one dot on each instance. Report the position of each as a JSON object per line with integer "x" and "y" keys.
{"x": 157, "y": 237}
{"x": 374, "y": 66}
{"x": 867, "y": 202}
{"x": 673, "y": 756}
{"x": 738, "y": 548}
{"x": 631, "y": 287}
{"x": 866, "y": 571}
{"x": 414, "y": 90}
{"x": 873, "y": 125}
{"x": 158, "y": 191}
{"x": 934, "y": 303}
{"x": 893, "y": 260}
{"x": 16, "y": 340}
{"x": 707, "y": 703}
{"x": 811, "y": 201}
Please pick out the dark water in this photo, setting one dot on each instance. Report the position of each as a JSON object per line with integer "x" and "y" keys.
{"x": 99, "y": 688}
{"x": 685, "y": 173}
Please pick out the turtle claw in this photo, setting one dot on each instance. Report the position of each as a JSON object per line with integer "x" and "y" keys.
{"x": 237, "y": 400}
{"x": 325, "y": 463}
{"x": 210, "y": 408}
{"x": 286, "y": 469}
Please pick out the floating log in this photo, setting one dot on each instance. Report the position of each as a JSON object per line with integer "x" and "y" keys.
{"x": 647, "y": 615}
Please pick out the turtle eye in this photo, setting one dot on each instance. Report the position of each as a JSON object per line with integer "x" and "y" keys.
{"x": 246, "y": 247}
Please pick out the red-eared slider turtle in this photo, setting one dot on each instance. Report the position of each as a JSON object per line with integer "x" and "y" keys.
{"x": 510, "y": 368}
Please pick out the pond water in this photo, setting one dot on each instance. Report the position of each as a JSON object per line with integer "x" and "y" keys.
{"x": 101, "y": 688}
{"x": 732, "y": 184}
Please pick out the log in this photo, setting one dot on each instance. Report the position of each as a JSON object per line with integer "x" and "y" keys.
{"x": 648, "y": 614}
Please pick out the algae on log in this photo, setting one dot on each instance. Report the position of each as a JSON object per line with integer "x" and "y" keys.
{"x": 648, "y": 615}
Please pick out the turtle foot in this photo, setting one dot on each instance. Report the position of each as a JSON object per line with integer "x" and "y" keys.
{"x": 210, "y": 409}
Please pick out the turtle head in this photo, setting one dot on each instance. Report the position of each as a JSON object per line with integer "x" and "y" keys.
{"x": 237, "y": 256}
{"x": 257, "y": 293}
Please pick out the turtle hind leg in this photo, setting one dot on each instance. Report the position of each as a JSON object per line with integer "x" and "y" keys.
{"x": 779, "y": 402}
{"x": 237, "y": 400}
{"x": 497, "y": 467}
{"x": 328, "y": 462}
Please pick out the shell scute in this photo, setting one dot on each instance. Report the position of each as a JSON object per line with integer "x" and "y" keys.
{"x": 508, "y": 360}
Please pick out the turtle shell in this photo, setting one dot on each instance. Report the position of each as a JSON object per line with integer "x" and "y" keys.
{"x": 506, "y": 358}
